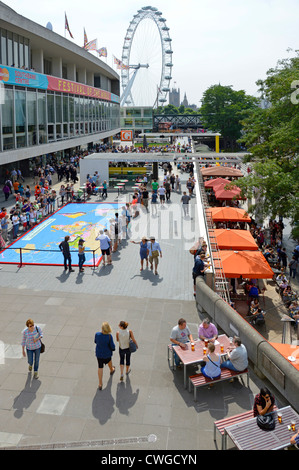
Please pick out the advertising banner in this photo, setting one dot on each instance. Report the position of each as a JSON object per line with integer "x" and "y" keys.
{"x": 13, "y": 76}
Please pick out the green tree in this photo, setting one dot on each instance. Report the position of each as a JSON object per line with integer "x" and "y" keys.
{"x": 271, "y": 135}
{"x": 222, "y": 111}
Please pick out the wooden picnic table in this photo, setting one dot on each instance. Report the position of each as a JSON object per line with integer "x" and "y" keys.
{"x": 188, "y": 357}
{"x": 247, "y": 435}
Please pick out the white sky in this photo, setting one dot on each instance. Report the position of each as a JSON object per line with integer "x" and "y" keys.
{"x": 231, "y": 42}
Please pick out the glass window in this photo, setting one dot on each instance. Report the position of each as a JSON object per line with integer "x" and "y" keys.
{"x": 31, "y": 117}
{"x": 9, "y": 49}
{"x": 26, "y": 54}
{"x": 16, "y": 50}
{"x": 21, "y": 52}
{"x": 58, "y": 107}
{"x": 65, "y": 108}
{"x": 71, "y": 109}
{"x": 20, "y": 116}
{"x": 7, "y": 120}
{"x": 50, "y": 106}
{"x": 3, "y": 48}
{"x": 42, "y": 118}
{"x": 77, "y": 109}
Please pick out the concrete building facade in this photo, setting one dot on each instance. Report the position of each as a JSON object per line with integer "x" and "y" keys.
{"x": 54, "y": 95}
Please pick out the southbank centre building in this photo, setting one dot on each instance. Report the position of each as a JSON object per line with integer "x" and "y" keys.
{"x": 56, "y": 98}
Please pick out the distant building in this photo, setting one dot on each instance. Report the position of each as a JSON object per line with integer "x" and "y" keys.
{"x": 174, "y": 97}
{"x": 185, "y": 101}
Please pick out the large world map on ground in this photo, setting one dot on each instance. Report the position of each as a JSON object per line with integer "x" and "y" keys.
{"x": 40, "y": 245}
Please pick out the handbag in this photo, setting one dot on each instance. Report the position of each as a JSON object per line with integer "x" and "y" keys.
{"x": 266, "y": 422}
{"x": 132, "y": 346}
{"x": 43, "y": 347}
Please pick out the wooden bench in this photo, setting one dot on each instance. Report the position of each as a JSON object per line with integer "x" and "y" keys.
{"x": 199, "y": 380}
{"x": 221, "y": 424}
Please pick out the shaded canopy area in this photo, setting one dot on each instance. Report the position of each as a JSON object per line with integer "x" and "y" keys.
{"x": 216, "y": 182}
{"x": 228, "y": 239}
{"x": 225, "y": 194}
{"x": 248, "y": 264}
{"x": 289, "y": 352}
{"x": 221, "y": 171}
{"x": 229, "y": 214}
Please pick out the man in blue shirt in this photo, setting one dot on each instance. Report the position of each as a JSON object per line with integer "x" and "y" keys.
{"x": 153, "y": 252}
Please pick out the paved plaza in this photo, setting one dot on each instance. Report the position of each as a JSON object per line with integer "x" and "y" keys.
{"x": 150, "y": 410}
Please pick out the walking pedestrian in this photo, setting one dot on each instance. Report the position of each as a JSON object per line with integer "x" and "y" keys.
{"x": 104, "y": 350}
{"x": 154, "y": 250}
{"x": 65, "y": 248}
{"x": 123, "y": 337}
{"x": 105, "y": 245}
{"x": 185, "y": 203}
{"x": 31, "y": 341}
{"x": 293, "y": 264}
{"x": 143, "y": 251}
{"x": 104, "y": 192}
{"x": 81, "y": 255}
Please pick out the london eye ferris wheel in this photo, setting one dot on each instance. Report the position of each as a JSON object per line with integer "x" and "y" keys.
{"x": 146, "y": 60}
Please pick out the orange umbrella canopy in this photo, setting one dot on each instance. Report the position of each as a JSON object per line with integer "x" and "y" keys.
{"x": 222, "y": 194}
{"x": 216, "y": 182}
{"x": 231, "y": 214}
{"x": 248, "y": 264}
{"x": 235, "y": 239}
{"x": 289, "y": 351}
{"x": 221, "y": 171}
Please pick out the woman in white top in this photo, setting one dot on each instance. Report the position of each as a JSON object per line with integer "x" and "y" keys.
{"x": 212, "y": 367}
{"x": 123, "y": 336}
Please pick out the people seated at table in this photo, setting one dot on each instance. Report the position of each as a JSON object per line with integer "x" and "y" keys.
{"x": 237, "y": 356}
{"x": 254, "y": 305}
{"x": 180, "y": 335}
{"x": 212, "y": 360}
{"x": 207, "y": 330}
{"x": 263, "y": 402}
{"x": 281, "y": 277}
{"x": 257, "y": 316}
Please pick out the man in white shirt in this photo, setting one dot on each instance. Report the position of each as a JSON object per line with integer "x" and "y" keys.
{"x": 105, "y": 245}
{"x": 161, "y": 193}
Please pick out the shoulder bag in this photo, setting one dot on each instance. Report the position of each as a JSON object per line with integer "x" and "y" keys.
{"x": 43, "y": 347}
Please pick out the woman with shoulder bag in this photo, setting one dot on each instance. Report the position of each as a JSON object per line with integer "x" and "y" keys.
{"x": 32, "y": 342}
{"x": 123, "y": 336}
{"x": 104, "y": 350}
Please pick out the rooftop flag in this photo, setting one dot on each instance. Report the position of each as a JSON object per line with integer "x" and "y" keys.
{"x": 66, "y": 26}
{"x": 85, "y": 39}
{"x": 102, "y": 52}
{"x": 91, "y": 45}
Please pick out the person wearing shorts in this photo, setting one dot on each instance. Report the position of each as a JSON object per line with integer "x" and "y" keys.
{"x": 104, "y": 350}
{"x": 105, "y": 245}
{"x": 154, "y": 250}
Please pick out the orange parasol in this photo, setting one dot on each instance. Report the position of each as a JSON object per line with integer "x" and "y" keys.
{"x": 223, "y": 194}
{"x": 248, "y": 264}
{"x": 216, "y": 182}
{"x": 232, "y": 214}
{"x": 235, "y": 239}
{"x": 289, "y": 351}
{"x": 221, "y": 171}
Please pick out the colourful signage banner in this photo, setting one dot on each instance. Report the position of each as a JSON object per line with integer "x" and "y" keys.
{"x": 13, "y": 76}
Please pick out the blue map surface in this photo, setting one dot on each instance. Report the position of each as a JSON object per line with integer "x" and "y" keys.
{"x": 40, "y": 244}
